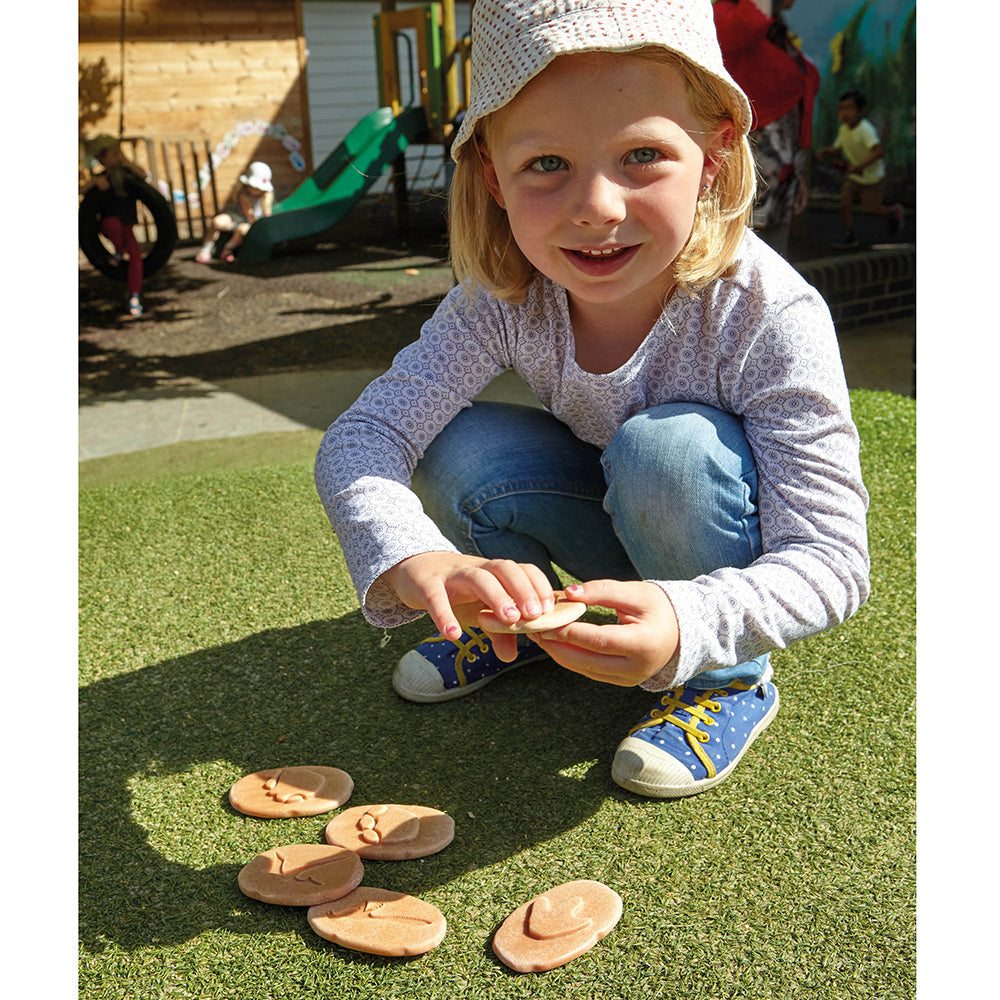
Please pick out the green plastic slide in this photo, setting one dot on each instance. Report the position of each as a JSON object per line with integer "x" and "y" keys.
{"x": 338, "y": 184}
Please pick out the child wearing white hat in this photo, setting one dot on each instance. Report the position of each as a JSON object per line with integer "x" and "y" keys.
{"x": 694, "y": 462}
{"x": 253, "y": 201}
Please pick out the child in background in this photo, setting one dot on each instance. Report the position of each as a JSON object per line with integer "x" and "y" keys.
{"x": 253, "y": 202}
{"x": 858, "y": 150}
{"x": 117, "y": 212}
{"x": 695, "y": 464}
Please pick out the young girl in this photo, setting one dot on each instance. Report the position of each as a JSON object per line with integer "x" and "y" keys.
{"x": 253, "y": 202}
{"x": 695, "y": 463}
{"x": 117, "y": 212}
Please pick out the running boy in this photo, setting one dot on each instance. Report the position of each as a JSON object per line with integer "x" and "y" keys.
{"x": 858, "y": 150}
{"x": 695, "y": 463}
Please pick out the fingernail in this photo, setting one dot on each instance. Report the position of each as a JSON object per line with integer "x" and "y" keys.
{"x": 533, "y": 608}
{"x": 575, "y": 588}
{"x": 453, "y": 631}
{"x": 511, "y": 612}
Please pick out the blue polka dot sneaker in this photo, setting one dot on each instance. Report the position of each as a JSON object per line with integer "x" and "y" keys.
{"x": 692, "y": 740}
{"x": 439, "y": 669}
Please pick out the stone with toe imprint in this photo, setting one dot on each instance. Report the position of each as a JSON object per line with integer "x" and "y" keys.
{"x": 390, "y": 832}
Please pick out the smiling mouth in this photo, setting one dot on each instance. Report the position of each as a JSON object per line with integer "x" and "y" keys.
{"x": 606, "y": 253}
{"x": 598, "y": 262}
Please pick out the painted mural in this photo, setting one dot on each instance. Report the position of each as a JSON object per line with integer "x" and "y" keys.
{"x": 866, "y": 45}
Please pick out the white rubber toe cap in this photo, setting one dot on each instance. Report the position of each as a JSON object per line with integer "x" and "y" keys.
{"x": 417, "y": 679}
{"x": 643, "y": 769}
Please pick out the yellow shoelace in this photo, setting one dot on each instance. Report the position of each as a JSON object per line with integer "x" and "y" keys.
{"x": 703, "y": 704}
{"x": 466, "y": 651}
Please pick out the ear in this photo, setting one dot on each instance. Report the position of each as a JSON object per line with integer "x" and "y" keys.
{"x": 490, "y": 178}
{"x": 723, "y": 138}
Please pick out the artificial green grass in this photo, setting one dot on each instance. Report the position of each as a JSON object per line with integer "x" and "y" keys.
{"x": 197, "y": 457}
{"x": 220, "y": 634}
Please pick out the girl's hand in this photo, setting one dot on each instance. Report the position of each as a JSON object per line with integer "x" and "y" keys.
{"x": 453, "y": 587}
{"x": 643, "y": 641}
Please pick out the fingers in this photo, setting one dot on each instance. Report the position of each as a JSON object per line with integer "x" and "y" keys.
{"x": 511, "y": 590}
{"x": 643, "y": 641}
{"x": 443, "y": 615}
{"x": 452, "y": 588}
{"x": 629, "y": 598}
{"x": 592, "y": 651}
{"x": 624, "y": 655}
{"x": 505, "y": 646}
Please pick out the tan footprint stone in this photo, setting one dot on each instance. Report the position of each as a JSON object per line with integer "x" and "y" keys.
{"x": 379, "y": 922}
{"x": 301, "y": 874}
{"x": 563, "y": 613}
{"x": 391, "y": 832}
{"x": 557, "y": 926}
{"x": 282, "y": 792}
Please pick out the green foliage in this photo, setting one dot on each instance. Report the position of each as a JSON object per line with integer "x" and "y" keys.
{"x": 219, "y": 634}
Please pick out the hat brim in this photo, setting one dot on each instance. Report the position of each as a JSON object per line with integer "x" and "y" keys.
{"x": 596, "y": 29}
{"x": 258, "y": 184}
{"x": 101, "y": 144}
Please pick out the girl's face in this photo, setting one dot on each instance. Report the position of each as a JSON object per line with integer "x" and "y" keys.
{"x": 598, "y": 163}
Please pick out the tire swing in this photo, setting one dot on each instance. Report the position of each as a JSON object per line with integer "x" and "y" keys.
{"x": 97, "y": 252}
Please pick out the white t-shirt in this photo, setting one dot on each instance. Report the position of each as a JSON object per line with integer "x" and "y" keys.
{"x": 760, "y": 345}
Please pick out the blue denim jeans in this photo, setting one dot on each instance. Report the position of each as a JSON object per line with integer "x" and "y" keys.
{"x": 673, "y": 496}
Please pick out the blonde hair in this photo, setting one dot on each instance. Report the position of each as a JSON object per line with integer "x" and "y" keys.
{"x": 483, "y": 251}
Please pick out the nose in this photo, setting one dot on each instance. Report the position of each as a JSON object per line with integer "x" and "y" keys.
{"x": 600, "y": 201}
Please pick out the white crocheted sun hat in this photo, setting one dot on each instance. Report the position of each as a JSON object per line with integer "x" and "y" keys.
{"x": 514, "y": 40}
{"x": 258, "y": 176}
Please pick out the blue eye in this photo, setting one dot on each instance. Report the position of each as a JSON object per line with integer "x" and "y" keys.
{"x": 643, "y": 155}
{"x": 548, "y": 164}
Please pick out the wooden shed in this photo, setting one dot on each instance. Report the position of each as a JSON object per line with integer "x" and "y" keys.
{"x": 198, "y": 90}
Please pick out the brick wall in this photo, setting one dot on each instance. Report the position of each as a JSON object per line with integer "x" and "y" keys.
{"x": 873, "y": 286}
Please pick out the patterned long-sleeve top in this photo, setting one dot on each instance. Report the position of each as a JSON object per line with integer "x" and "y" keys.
{"x": 759, "y": 344}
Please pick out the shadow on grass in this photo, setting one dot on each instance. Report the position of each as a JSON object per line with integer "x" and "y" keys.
{"x": 521, "y": 762}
